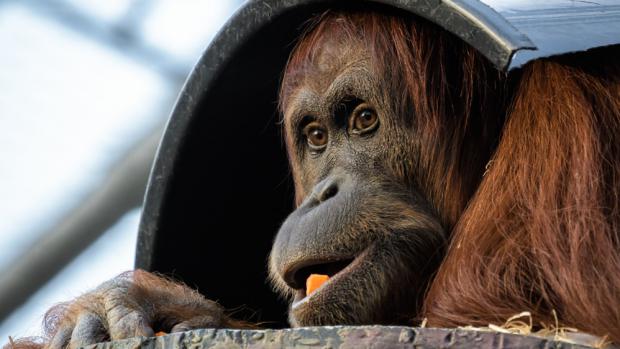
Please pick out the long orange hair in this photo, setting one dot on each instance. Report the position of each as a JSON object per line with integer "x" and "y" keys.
{"x": 542, "y": 231}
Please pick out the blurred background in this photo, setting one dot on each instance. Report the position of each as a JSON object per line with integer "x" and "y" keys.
{"x": 86, "y": 87}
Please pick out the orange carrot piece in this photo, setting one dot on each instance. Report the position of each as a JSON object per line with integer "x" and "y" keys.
{"x": 315, "y": 281}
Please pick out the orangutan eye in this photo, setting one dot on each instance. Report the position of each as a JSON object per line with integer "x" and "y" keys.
{"x": 316, "y": 135}
{"x": 364, "y": 120}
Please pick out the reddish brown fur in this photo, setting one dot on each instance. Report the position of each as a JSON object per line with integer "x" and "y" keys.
{"x": 540, "y": 232}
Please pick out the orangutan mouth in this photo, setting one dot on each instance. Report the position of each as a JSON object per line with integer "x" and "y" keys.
{"x": 334, "y": 270}
{"x": 330, "y": 269}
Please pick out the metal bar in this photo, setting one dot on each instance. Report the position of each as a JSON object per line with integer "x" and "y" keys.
{"x": 116, "y": 36}
{"x": 121, "y": 191}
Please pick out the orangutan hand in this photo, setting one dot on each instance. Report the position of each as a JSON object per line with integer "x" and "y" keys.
{"x": 133, "y": 304}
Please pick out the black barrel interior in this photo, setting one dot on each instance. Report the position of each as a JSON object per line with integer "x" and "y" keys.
{"x": 231, "y": 188}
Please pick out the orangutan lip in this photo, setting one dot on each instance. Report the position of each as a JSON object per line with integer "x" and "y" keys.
{"x": 335, "y": 271}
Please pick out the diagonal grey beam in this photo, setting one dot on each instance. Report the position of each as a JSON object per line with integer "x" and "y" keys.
{"x": 122, "y": 190}
{"x": 118, "y": 36}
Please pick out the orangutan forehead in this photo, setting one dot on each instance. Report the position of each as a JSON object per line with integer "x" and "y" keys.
{"x": 335, "y": 53}
{"x": 334, "y": 71}
{"x": 329, "y": 87}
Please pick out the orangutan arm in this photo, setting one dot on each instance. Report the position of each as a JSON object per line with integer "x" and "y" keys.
{"x": 133, "y": 304}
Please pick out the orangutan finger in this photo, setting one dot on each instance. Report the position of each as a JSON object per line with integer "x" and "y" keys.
{"x": 61, "y": 338}
{"x": 131, "y": 324}
{"x": 89, "y": 329}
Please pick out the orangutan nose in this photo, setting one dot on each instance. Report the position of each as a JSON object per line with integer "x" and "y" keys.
{"x": 325, "y": 190}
